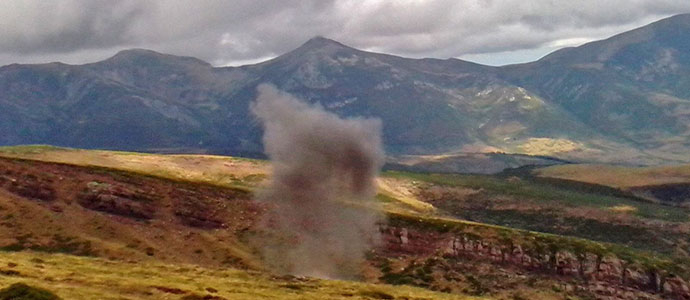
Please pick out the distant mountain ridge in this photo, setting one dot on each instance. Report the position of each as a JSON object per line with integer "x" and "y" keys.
{"x": 625, "y": 99}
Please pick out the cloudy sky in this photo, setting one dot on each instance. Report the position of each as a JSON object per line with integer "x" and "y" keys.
{"x": 238, "y": 32}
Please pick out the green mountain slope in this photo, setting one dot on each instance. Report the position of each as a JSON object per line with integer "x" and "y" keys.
{"x": 633, "y": 86}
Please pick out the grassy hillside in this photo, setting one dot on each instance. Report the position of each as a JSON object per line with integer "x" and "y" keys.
{"x": 502, "y": 236}
{"x": 619, "y": 176}
{"x": 669, "y": 185}
{"x": 232, "y": 172}
{"x": 508, "y": 200}
{"x": 570, "y": 210}
{"x": 217, "y": 170}
{"x": 103, "y": 212}
{"x": 72, "y": 277}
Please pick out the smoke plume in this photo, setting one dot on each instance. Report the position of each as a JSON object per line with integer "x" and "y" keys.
{"x": 321, "y": 196}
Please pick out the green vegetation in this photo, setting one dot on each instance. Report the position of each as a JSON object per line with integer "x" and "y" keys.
{"x": 564, "y": 207}
{"x": 618, "y": 176}
{"x": 21, "y": 291}
{"x": 240, "y": 173}
{"x": 72, "y": 277}
{"x": 385, "y": 198}
{"x": 31, "y": 149}
{"x": 524, "y": 189}
{"x": 60, "y": 244}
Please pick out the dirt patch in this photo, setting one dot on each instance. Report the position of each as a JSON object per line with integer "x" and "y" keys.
{"x": 209, "y": 208}
{"x": 170, "y": 290}
{"x": 200, "y": 297}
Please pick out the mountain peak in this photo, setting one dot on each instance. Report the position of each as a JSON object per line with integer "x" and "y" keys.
{"x": 136, "y": 52}
{"x": 138, "y": 55}
{"x": 319, "y": 42}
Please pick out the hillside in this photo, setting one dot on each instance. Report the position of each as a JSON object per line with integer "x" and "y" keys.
{"x": 669, "y": 185}
{"x": 72, "y": 277}
{"x": 633, "y": 86}
{"x": 501, "y": 236}
{"x": 623, "y": 99}
{"x": 468, "y": 163}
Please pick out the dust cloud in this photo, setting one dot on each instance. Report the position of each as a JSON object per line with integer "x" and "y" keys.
{"x": 322, "y": 210}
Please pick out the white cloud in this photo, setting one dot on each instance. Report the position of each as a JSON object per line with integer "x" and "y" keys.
{"x": 569, "y": 42}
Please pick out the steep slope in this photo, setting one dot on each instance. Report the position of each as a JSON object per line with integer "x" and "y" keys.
{"x": 427, "y": 105}
{"x": 633, "y": 86}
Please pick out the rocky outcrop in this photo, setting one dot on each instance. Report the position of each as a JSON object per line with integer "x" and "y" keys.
{"x": 117, "y": 200}
{"x": 605, "y": 274}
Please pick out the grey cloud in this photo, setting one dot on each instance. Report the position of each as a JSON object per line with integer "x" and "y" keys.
{"x": 227, "y": 31}
{"x": 65, "y": 26}
{"x": 494, "y": 26}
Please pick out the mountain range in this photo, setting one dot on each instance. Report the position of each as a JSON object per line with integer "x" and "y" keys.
{"x": 625, "y": 99}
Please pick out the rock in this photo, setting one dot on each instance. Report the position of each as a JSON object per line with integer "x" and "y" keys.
{"x": 116, "y": 200}
{"x": 403, "y": 236}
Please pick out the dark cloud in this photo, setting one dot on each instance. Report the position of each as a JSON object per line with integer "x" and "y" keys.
{"x": 38, "y": 27}
{"x": 223, "y": 32}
